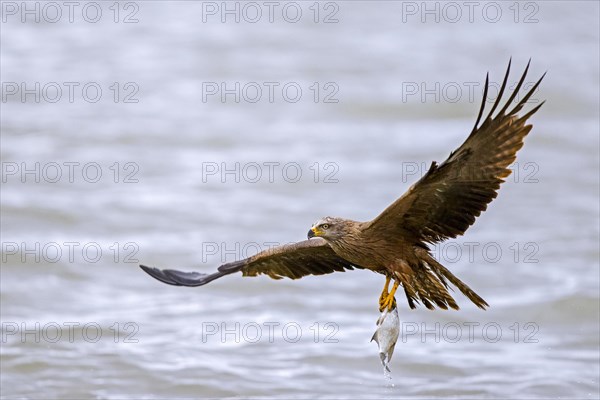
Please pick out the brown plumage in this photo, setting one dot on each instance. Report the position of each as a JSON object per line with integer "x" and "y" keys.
{"x": 442, "y": 204}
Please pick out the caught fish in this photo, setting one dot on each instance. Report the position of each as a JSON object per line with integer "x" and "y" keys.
{"x": 386, "y": 335}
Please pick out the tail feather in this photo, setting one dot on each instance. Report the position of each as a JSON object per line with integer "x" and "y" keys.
{"x": 411, "y": 296}
{"x": 437, "y": 290}
{"x": 419, "y": 284}
{"x": 463, "y": 287}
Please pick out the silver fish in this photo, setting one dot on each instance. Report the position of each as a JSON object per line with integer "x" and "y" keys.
{"x": 386, "y": 336}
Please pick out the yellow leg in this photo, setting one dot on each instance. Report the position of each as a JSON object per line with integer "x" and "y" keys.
{"x": 384, "y": 293}
{"x": 390, "y": 300}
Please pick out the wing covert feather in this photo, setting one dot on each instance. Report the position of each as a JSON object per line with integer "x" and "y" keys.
{"x": 295, "y": 260}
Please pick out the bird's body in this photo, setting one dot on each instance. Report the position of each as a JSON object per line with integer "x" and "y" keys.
{"x": 443, "y": 204}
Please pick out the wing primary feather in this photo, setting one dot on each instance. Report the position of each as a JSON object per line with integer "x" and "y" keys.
{"x": 501, "y": 92}
{"x": 516, "y": 91}
{"x": 190, "y": 279}
{"x": 485, "y": 90}
{"x": 527, "y": 96}
{"x": 159, "y": 275}
{"x": 530, "y": 113}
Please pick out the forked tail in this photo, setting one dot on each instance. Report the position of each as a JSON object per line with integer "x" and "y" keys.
{"x": 443, "y": 273}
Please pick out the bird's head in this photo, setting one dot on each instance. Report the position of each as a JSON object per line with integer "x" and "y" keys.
{"x": 329, "y": 228}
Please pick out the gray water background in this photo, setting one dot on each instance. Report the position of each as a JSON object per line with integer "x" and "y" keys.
{"x": 541, "y": 336}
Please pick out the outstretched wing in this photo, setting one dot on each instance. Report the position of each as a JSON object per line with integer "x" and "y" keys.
{"x": 445, "y": 202}
{"x": 309, "y": 257}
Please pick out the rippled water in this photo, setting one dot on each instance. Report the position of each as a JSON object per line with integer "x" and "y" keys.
{"x": 86, "y": 325}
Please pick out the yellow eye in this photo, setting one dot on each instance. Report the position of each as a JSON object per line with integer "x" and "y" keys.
{"x": 325, "y": 226}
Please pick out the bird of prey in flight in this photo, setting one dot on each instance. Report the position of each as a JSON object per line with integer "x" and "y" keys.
{"x": 442, "y": 204}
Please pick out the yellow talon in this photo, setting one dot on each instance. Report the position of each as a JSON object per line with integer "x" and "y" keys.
{"x": 387, "y": 300}
{"x": 392, "y": 298}
{"x": 384, "y": 293}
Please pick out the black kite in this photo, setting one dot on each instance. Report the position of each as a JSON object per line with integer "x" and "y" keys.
{"x": 442, "y": 204}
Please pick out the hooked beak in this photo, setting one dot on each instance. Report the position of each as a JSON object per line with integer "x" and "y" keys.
{"x": 311, "y": 233}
